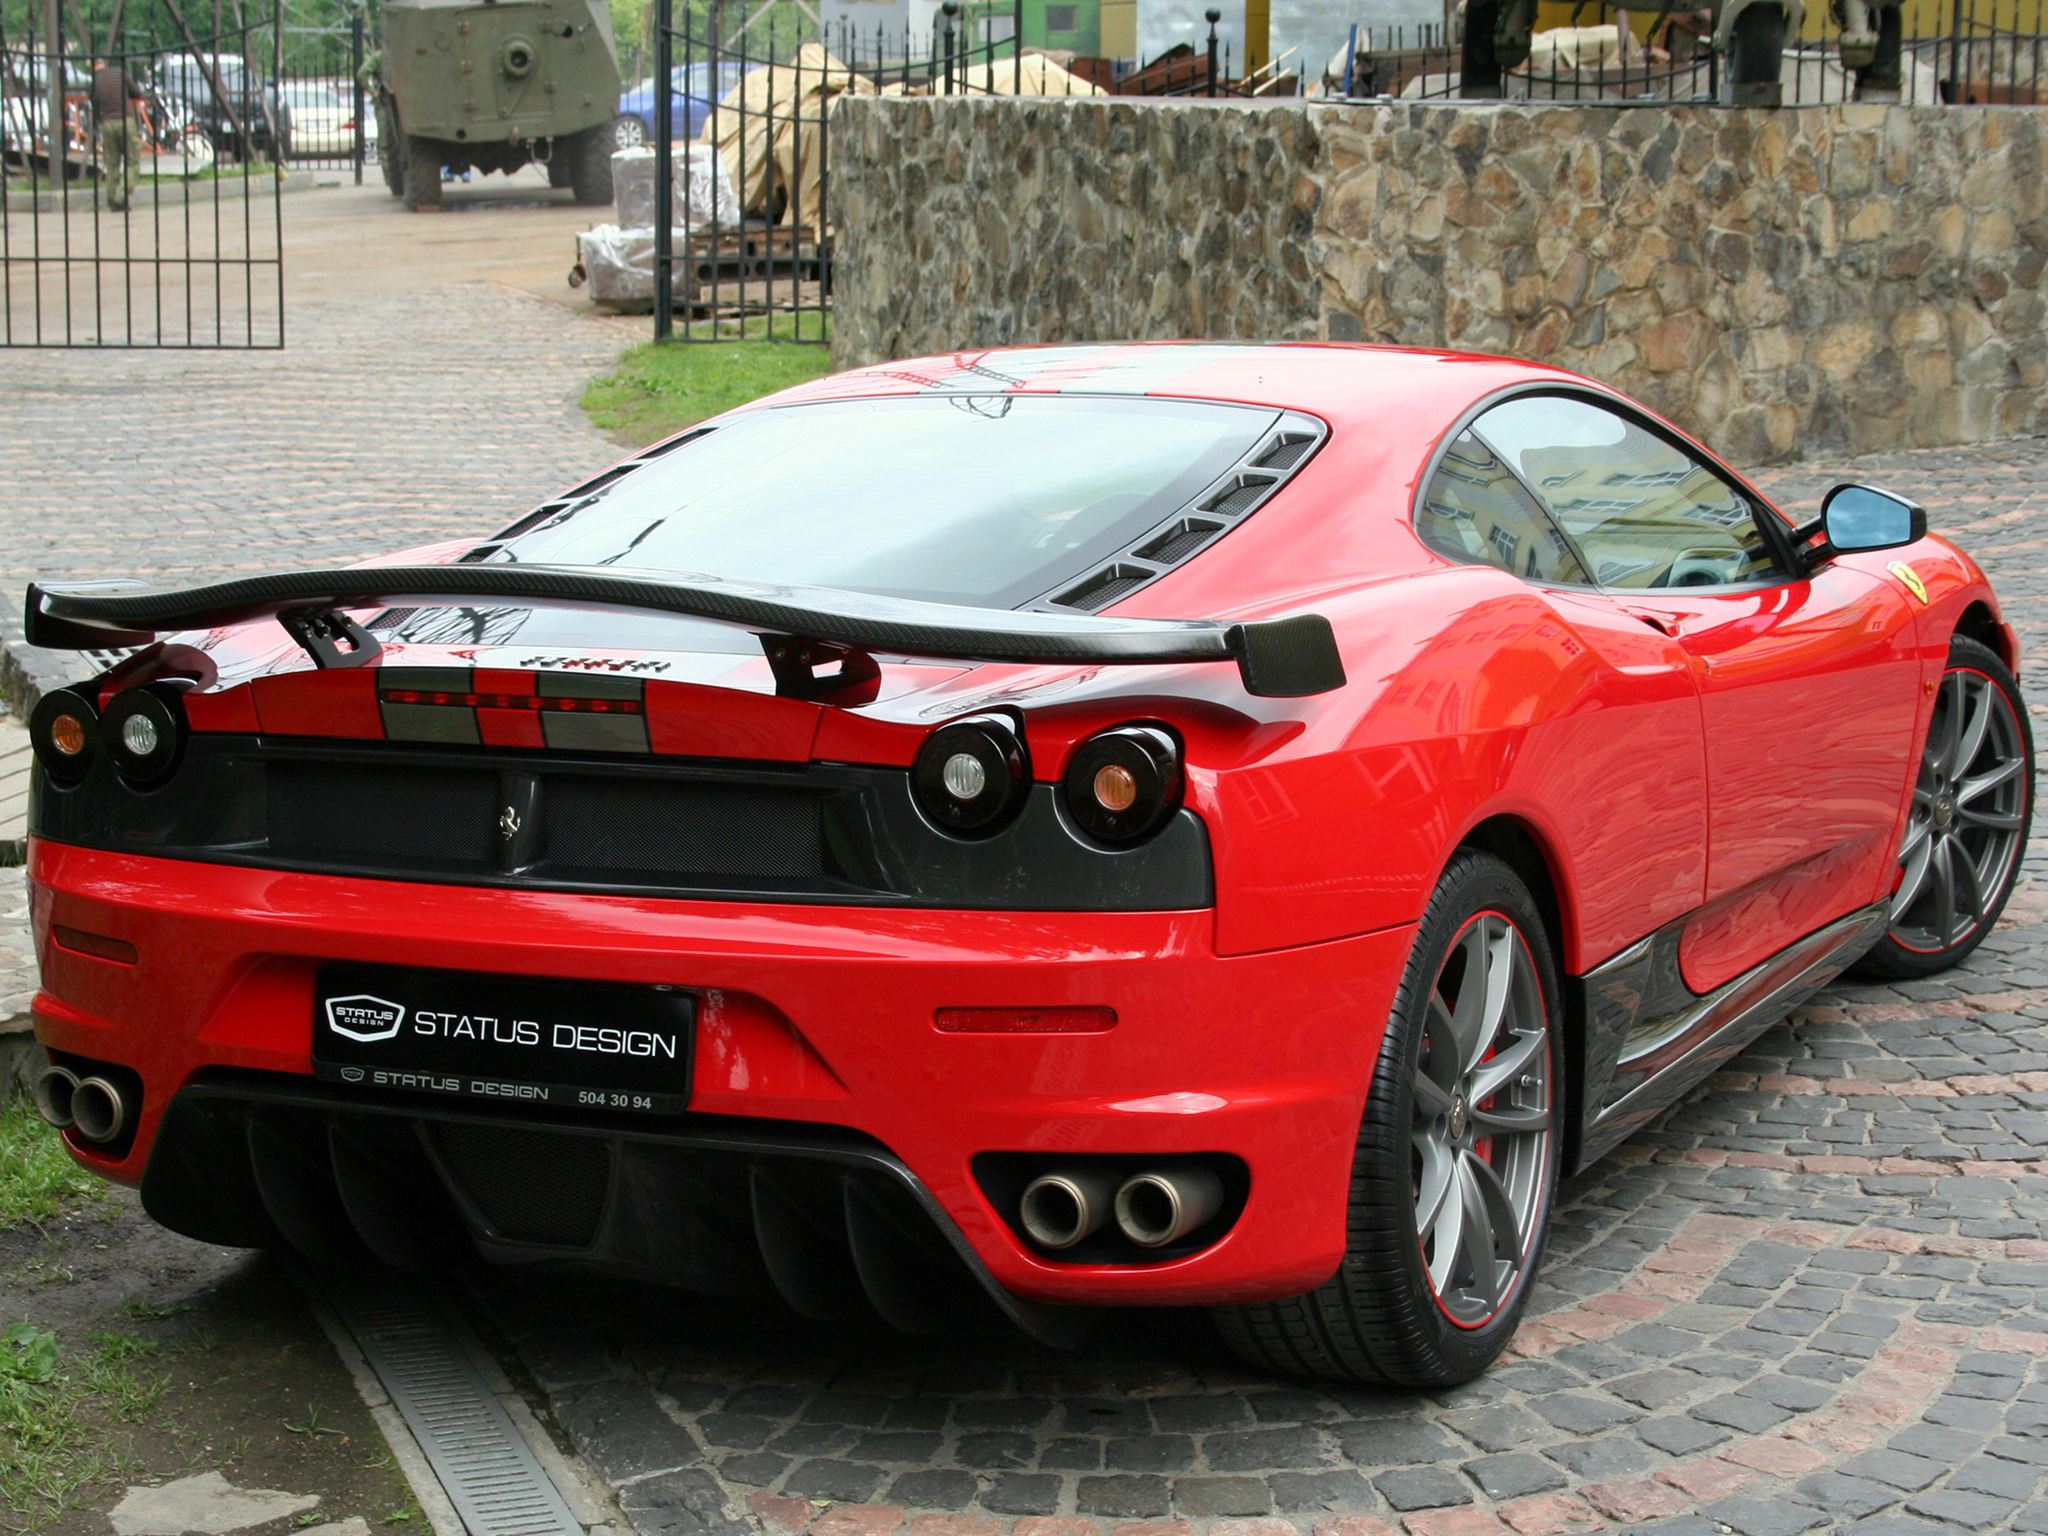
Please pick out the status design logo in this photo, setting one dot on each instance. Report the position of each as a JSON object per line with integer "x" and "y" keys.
{"x": 364, "y": 1018}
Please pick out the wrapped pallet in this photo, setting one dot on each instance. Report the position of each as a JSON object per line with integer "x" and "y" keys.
{"x": 703, "y": 193}
{"x": 618, "y": 264}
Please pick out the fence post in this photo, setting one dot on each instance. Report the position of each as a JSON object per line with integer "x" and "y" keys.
{"x": 1955, "y": 62}
{"x": 1016, "y": 49}
{"x": 1214, "y": 16}
{"x": 664, "y": 164}
{"x": 355, "y": 74}
{"x": 950, "y": 9}
{"x": 53, "y": 40}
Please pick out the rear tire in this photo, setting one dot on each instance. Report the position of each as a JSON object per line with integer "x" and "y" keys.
{"x": 589, "y": 156}
{"x": 390, "y": 146}
{"x": 1967, "y": 829}
{"x": 1456, "y": 1166}
{"x": 421, "y": 172}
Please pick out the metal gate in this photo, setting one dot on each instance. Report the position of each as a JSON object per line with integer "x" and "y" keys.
{"x": 158, "y": 225}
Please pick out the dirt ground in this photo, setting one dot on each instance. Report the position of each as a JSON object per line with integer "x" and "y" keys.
{"x": 345, "y": 241}
{"x": 251, "y": 1388}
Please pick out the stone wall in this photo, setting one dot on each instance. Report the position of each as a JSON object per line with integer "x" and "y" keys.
{"x": 1819, "y": 278}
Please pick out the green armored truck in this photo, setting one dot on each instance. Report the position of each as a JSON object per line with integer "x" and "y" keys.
{"x": 494, "y": 87}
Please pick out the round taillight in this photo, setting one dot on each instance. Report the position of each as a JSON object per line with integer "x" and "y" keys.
{"x": 64, "y": 730}
{"x": 1123, "y": 784}
{"x": 971, "y": 776}
{"x": 144, "y": 735}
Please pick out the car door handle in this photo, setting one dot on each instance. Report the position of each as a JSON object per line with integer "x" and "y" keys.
{"x": 1668, "y": 624}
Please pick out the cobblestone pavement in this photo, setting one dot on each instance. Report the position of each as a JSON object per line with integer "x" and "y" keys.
{"x": 1815, "y": 1296}
{"x": 420, "y": 415}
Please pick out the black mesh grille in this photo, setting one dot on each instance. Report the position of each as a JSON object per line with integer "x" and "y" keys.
{"x": 1286, "y": 453}
{"x": 1180, "y": 541}
{"x": 532, "y": 1186}
{"x": 1105, "y": 587}
{"x": 703, "y": 829}
{"x": 356, "y": 811}
{"x": 1238, "y": 498}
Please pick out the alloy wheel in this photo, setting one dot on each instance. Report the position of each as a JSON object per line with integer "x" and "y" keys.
{"x": 1963, "y": 833}
{"x": 1482, "y": 1120}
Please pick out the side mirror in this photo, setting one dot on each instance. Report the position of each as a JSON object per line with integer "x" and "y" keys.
{"x": 1860, "y": 517}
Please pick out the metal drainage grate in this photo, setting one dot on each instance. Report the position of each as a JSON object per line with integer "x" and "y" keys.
{"x": 490, "y": 1475}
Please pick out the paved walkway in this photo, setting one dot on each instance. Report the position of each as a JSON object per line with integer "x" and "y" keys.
{"x": 417, "y": 415}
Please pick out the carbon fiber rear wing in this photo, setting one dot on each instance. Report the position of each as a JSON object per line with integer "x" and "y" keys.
{"x": 1277, "y": 658}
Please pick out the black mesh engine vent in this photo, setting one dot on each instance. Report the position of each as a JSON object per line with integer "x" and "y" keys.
{"x": 1240, "y": 497}
{"x": 532, "y": 1186}
{"x": 1105, "y": 587}
{"x": 1288, "y": 450}
{"x": 1180, "y": 541}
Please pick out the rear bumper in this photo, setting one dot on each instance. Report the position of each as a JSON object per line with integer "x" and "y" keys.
{"x": 819, "y": 1015}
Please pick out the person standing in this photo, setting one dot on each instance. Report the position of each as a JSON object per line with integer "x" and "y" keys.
{"x": 116, "y": 104}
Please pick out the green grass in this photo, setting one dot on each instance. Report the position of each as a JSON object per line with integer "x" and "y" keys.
{"x": 38, "y": 1180}
{"x": 661, "y": 388}
{"x": 52, "y": 1409}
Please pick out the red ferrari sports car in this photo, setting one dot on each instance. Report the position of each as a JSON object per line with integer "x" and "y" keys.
{"x": 1073, "y": 827}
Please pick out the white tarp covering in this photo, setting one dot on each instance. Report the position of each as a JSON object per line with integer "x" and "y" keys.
{"x": 619, "y": 264}
{"x": 702, "y": 190}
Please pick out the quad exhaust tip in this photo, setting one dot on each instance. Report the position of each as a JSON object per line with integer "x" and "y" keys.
{"x": 1064, "y": 1207}
{"x": 1163, "y": 1205}
{"x": 1061, "y": 1208}
{"x": 95, "y": 1108}
{"x": 54, "y": 1091}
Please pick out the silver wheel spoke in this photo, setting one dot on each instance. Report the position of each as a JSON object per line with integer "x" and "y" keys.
{"x": 1989, "y": 819}
{"x": 1476, "y": 1236}
{"x": 1497, "y": 1072}
{"x": 1915, "y": 878}
{"x": 1503, "y": 1232}
{"x": 1448, "y": 1230}
{"x": 1468, "y": 1019}
{"x": 1942, "y": 749}
{"x": 1971, "y": 742}
{"x": 1500, "y": 979}
{"x": 1977, "y": 784}
{"x": 1511, "y": 1122}
{"x": 1437, "y": 1182}
{"x": 1969, "y": 892}
{"x": 1944, "y": 893}
{"x": 1430, "y": 1098}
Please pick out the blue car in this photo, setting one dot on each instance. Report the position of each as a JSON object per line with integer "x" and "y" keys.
{"x": 694, "y": 91}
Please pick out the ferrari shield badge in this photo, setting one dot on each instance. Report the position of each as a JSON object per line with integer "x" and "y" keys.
{"x": 1910, "y": 577}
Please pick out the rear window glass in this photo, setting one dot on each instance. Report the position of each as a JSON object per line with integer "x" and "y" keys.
{"x": 989, "y": 501}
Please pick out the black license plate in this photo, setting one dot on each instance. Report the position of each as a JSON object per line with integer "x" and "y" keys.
{"x": 508, "y": 1039}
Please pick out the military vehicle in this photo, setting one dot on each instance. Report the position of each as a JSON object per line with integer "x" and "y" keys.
{"x": 494, "y": 87}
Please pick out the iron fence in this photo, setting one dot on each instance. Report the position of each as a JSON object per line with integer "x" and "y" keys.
{"x": 740, "y": 237}
{"x": 1990, "y": 52}
{"x": 181, "y": 246}
{"x": 330, "y": 106}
